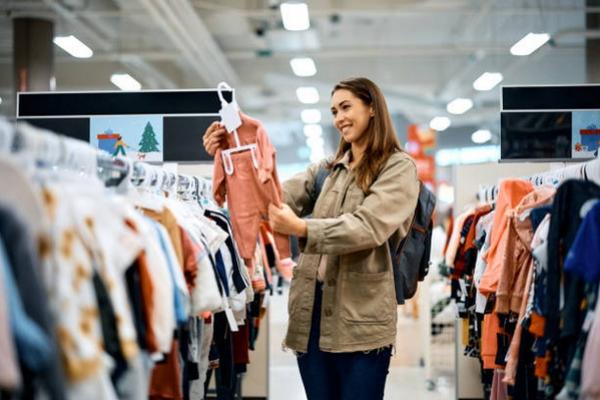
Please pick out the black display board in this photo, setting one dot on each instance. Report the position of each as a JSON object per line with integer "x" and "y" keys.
{"x": 185, "y": 115}
{"x": 550, "y": 123}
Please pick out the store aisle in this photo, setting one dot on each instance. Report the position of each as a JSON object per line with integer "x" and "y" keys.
{"x": 406, "y": 379}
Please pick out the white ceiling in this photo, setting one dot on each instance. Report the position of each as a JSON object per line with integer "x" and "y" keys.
{"x": 422, "y": 53}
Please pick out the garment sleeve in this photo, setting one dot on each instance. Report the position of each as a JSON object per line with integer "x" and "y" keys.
{"x": 389, "y": 205}
{"x": 296, "y": 190}
{"x": 266, "y": 154}
{"x": 218, "y": 181}
{"x": 582, "y": 259}
{"x": 510, "y": 257}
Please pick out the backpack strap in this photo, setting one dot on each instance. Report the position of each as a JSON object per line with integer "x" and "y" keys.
{"x": 320, "y": 177}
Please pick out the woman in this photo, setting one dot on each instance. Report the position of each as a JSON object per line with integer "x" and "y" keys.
{"x": 342, "y": 305}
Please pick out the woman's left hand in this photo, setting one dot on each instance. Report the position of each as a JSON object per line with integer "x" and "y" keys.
{"x": 283, "y": 220}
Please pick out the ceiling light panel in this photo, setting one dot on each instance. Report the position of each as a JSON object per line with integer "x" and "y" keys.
{"x": 295, "y": 16}
{"x": 530, "y": 43}
{"x": 73, "y": 46}
{"x": 440, "y": 123}
{"x": 304, "y": 66}
{"x": 125, "y": 82}
{"x": 311, "y": 116}
{"x": 307, "y": 95}
{"x": 481, "y": 136}
{"x": 315, "y": 143}
{"x": 313, "y": 130}
{"x": 459, "y": 106}
{"x": 487, "y": 81}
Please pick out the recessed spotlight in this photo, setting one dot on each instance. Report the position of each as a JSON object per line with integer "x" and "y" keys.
{"x": 295, "y": 16}
{"x": 311, "y": 116}
{"x": 487, "y": 81}
{"x": 307, "y": 94}
{"x": 529, "y": 44}
{"x": 440, "y": 123}
{"x": 481, "y": 136}
{"x": 303, "y": 66}
{"x": 125, "y": 82}
{"x": 459, "y": 106}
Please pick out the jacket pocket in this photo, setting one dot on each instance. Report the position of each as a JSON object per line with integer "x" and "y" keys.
{"x": 297, "y": 299}
{"x": 354, "y": 198}
{"x": 367, "y": 297}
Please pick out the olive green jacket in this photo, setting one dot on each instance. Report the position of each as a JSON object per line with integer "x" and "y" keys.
{"x": 352, "y": 228}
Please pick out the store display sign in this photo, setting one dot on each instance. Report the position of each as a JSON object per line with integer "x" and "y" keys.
{"x": 151, "y": 126}
{"x": 550, "y": 123}
{"x": 585, "y": 134}
{"x": 422, "y": 135}
{"x": 137, "y": 137}
{"x": 421, "y": 138}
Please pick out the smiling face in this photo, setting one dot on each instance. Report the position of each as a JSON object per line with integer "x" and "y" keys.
{"x": 351, "y": 116}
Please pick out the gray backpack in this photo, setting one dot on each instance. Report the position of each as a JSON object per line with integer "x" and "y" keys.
{"x": 410, "y": 260}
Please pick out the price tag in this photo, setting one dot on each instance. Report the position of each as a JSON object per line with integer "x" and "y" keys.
{"x": 230, "y": 116}
{"x": 231, "y": 319}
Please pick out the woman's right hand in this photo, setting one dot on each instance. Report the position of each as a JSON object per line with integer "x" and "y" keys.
{"x": 213, "y": 137}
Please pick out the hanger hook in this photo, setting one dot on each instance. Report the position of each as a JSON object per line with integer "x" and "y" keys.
{"x": 225, "y": 86}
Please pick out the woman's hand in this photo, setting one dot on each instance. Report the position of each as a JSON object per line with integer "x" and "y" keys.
{"x": 284, "y": 221}
{"x": 213, "y": 137}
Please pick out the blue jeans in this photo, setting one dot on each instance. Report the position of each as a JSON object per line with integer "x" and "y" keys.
{"x": 341, "y": 376}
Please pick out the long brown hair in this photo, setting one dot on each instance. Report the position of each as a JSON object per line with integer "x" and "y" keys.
{"x": 380, "y": 134}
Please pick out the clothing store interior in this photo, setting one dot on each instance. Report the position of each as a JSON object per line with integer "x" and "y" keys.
{"x": 141, "y": 259}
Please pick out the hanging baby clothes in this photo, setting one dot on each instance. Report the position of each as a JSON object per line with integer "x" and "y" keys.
{"x": 249, "y": 190}
{"x": 511, "y": 194}
{"x": 582, "y": 261}
{"x": 515, "y": 346}
{"x": 590, "y": 385}
{"x": 517, "y": 251}
{"x": 563, "y": 322}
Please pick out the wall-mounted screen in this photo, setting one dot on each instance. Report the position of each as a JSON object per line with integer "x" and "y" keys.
{"x": 550, "y": 123}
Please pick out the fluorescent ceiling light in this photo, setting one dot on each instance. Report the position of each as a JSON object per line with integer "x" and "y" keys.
{"x": 313, "y": 130}
{"x": 487, "y": 81}
{"x": 316, "y": 156}
{"x": 303, "y": 66}
{"x": 73, "y": 46}
{"x": 459, "y": 106}
{"x": 0, "y": 100}
{"x": 307, "y": 94}
{"x": 315, "y": 143}
{"x": 125, "y": 82}
{"x": 530, "y": 43}
{"x": 295, "y": 16}
{"x": 481, "y": 136}
{"x": 311, "y": 116}
{"x": 440, "y": 123}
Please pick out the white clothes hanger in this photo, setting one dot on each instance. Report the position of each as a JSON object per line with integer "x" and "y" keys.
{"x": 226, "y": 154}
{"x": 18, "y": 186}
{"x": 146, "y": 196}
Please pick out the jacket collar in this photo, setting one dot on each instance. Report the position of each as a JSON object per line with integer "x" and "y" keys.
{"x": 344, "y": 161}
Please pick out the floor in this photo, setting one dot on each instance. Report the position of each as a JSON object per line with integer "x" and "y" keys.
{"x": 407, "y": 379}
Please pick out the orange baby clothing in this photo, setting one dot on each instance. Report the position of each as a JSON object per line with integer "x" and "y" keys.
{"x": 249, "y": 190}
{"x": 512, "y": 191}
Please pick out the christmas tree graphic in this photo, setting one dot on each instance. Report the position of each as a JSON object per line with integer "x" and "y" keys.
{"x": 148, "y": 142}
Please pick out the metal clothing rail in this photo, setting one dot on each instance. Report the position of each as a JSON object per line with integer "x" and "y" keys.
{"x": 46, "y": 149}
{"x": 589, "y": 171}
